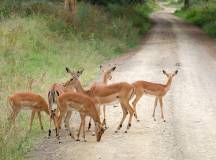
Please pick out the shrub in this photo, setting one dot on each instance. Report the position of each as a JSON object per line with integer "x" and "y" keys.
{"x": 202, "y": 16}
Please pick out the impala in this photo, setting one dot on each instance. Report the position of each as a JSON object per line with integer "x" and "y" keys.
{"x": 154, "y": 89}
{"x": 105, "y": 77}
{"x": 55, "y": 90}
{"x": 27, "y": 100}
{"x": 85, "y": 106}
{"x": 71, "y": 5}
{"x": 104, "y": 94}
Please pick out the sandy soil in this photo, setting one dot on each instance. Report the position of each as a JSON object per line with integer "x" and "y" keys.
{"x": 190, "y": 110}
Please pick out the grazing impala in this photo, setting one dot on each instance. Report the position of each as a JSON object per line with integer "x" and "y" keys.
{"x": 105, "y": 77}
{"x": 27, "y": 100}
{"x": 103, "y": 94}
{"x": 154, "y": 89}
{"x": 85, "y": 106}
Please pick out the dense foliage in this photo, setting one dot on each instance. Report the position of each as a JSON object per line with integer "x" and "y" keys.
{"x": 201, "y": 13}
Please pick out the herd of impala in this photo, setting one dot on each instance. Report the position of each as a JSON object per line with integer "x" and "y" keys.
{"x": 71, "y": 96}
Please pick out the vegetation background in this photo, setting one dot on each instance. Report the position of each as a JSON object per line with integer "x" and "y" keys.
{"x": 199, "y": 12}
{"x": 38, "y": 38}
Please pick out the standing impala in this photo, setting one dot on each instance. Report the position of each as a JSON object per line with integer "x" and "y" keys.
{"x": 55, "y": 90}
{"x": 85, "y": 106}
{"x": 154, "y": 89}
{"x": 104, "y": 94}
{"x": 58, "y": 89}
{"x": 105, "y": 77}
{"x": 27, "y": 100}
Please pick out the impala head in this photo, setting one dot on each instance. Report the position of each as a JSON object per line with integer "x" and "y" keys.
{"x": 77, "y": 73}
{"x": 170, "y": 75}
{"x": 107, "y": 72}
{"x": 74, "y": 77}
{"x": 99, "y": 130}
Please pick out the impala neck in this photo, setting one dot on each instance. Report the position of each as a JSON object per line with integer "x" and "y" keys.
{"x": 96, "y": 118}
{"x": 168, "y": 83}
{"x": 104, "y": 78}
{"x": 79, "y": 88}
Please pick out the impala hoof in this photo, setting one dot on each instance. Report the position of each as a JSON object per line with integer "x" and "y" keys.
{"x": 116, "y": 131}
{"x": 125, "y": 132}
{"x": 77, "y": 139}
{"x": 164, "y": 120}
{"x": 49, "y": 133}
{"x": 138, "y": 120}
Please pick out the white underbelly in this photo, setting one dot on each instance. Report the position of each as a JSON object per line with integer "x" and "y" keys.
{"x": 72, "y": 109}
{"x": 28, "y": 105}
{"x": 72, "y": 106}
{"x": 26, "y": 108}
{"x": 108, "y": 99}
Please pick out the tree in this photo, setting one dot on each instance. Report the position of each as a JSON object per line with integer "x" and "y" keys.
{"x": 186, "y": 4}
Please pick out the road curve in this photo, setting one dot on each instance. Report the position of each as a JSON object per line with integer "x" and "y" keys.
{"x": 190, "y": 105}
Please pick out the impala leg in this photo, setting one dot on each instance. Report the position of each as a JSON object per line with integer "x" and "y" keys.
{"x": 70, "y": 131}
{"x": 78, "y": 134}
{"x": 161, "y": 106}
{"x": 89, "y": 125}
{"x": 155, "y": 105}
{"x": 14, "y": 115}
{"x": 98, "y": 110}
{"x": 10, "y": 119}
{"x": 58, "y": 125}
{"x": 104, "y": 120}
{"x": 83, "y": 126}
{"x": 134, "y": 103}
{"x": 125, "y": 112}
{"x": 39, "y": 117}
{"x": 67, "y": 119}
{"x": 131, "y": 112}
{"x": 32, "y": 118}
{"x": 11, "y": 115}
{"x": 65, "y": 4}
{"x": 50, "y": 125}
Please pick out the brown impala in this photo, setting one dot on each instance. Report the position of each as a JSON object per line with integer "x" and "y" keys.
{"x": 154, "y": 89}
{"x": 103, "y": 94}
{"x": 29, "y": 101}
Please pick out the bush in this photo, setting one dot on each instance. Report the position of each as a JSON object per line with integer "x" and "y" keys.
{"x": 210, "y": 28}
{"x": 204, "y": 17}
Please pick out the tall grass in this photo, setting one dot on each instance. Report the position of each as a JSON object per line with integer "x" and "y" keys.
{"x": 37, "y": 41}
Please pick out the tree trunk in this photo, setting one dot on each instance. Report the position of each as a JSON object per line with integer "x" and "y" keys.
{"x": 186, "y": 4}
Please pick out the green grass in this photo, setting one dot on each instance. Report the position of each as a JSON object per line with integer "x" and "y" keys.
{"x": 202, "y": 16}
{"x": 38, "y": 40}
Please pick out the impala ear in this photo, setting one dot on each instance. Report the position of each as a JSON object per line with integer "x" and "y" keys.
{"x": 114, "y": 68}
{"x": 175, "y": 73}
{"x": 165, "y": 73}
{"x": 79, "y": 72}
{"x": 67, "y": 70}
{"x": 57, "y": 93}
{"x": 101, "y": 66}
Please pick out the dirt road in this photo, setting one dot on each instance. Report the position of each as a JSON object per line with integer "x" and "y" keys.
{"x": 190, "y": 106}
